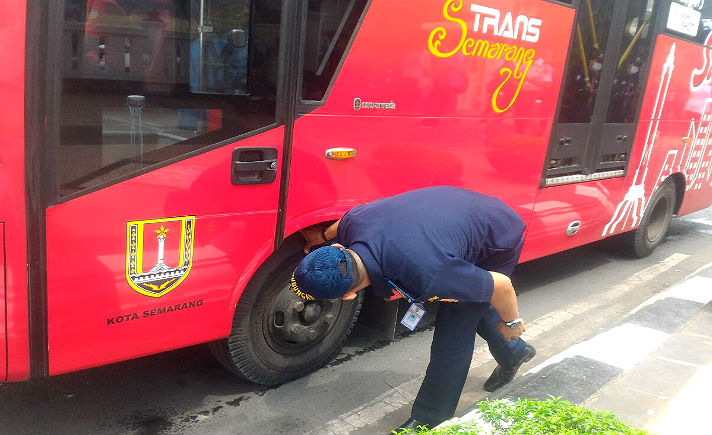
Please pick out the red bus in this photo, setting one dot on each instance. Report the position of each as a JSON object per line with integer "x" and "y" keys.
{"x": 160, "y": 156}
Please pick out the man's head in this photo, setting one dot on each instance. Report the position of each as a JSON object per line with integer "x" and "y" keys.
{"x": 329, "y": 272}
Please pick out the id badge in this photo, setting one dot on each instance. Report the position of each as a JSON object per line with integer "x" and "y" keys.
{"x": 412, "y": 317}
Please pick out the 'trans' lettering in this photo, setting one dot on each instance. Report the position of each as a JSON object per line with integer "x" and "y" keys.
{"x": 522, "y": 58}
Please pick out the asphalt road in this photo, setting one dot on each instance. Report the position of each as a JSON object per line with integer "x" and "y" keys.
{"x": 369, "y": 387}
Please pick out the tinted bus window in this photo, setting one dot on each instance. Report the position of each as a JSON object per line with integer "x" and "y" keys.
{"x": 634, "y": 53}
{"x": 330, "y": 25}
{"x": 586, "y": 61}
{"x": 144, "y": 81}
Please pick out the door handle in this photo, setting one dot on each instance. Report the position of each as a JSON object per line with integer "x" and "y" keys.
{"x": 257, "y": 165}
{"x": 254, "y": 165}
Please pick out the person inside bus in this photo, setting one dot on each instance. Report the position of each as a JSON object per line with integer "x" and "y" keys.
{"x": 439, "y": 244}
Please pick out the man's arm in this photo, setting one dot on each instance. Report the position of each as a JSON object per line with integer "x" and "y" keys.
{"x": 504, "y": 300}
{"x": 318, "y": 234}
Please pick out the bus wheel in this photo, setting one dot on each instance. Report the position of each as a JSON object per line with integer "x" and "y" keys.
{"x": 276, "y": 336}
{"x": 655, "y": 221}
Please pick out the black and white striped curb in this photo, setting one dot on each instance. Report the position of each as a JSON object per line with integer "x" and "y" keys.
{"x": 582, "y": 370}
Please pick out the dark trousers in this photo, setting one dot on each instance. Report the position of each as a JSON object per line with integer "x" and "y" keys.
{"x": 451, "y": 354}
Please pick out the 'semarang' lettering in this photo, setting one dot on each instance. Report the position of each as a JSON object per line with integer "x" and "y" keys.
{"x": 482, "y": 48}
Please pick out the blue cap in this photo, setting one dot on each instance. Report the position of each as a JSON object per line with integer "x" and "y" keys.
{"x": 325, "y": 273}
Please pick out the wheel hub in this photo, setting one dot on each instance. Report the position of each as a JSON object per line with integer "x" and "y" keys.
{"x": 293, "y": 325}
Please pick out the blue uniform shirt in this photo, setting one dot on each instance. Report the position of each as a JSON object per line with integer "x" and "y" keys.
{"x": 436, "y": 243}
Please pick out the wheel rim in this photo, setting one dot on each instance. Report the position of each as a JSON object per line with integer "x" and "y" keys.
{"x": 293, "y": 325}
{"x": 659, "y": 219}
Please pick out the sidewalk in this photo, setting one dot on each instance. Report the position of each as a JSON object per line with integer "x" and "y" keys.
{"x": 653, "y": 369}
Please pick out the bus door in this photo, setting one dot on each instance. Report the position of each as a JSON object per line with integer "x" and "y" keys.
{"x": 164, "y": 171}
{"x": 592, "y": 135}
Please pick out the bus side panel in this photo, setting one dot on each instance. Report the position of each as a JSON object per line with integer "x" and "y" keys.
{"x": 673, "y": 136}
{"x": 12, "y": 190}
{"x": 421, "y": 112}
{"x": 685, "y": 144}
{"x": 99, "y": 313}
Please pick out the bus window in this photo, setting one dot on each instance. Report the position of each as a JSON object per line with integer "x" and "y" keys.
{"x": 586, "y": 62}
{"x": 147, "y": 81}
{"x": 330, "y": 25}
{"x": 602, "y": 91}
{"x": 633, "y": 54}
{"x": 218, "y": 46}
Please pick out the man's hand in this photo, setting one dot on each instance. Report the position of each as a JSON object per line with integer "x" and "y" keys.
{"x": 509, "y": 333}
{"x": 313, "y": 237}
{"x": 318, "y": 234}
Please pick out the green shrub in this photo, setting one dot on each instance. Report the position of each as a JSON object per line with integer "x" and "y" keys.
{"x": 536, "y": 417}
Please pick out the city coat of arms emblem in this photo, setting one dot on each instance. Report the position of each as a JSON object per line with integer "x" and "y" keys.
{"x": 170, "y": 242}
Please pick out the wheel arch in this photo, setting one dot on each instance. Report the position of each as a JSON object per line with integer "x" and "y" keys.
{"x": 322, "y": 215}
{"x": 265, "y": 258}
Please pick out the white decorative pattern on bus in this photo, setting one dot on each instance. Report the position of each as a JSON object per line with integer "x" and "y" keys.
{"x": 694, "y": 160}
{"x": 631, "y": 208}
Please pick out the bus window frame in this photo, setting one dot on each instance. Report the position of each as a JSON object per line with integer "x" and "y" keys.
{"x": 53, "y": 91}
{"x": 305, "y": 106}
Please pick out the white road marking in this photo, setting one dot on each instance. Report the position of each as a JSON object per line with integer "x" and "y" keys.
{"x": 555, "y": 318}
{"x": 696, "y": 289}
{"x": 703, "y": 221}
{"x": 395, "y": 398}
{"x": 623, "y": 346}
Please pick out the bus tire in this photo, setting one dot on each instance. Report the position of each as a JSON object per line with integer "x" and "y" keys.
{"x": 655, "y": 221}
{"x": 276, "y": 336}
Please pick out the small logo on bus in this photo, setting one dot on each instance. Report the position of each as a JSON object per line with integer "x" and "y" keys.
{"x": 159, "y": 254}
{"x": 358, "y": 105}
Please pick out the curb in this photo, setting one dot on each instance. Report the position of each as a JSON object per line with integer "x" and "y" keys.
{"x": 586, "y": 368}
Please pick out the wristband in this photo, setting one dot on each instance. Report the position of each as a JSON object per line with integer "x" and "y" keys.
{"x": 514, "y": 324}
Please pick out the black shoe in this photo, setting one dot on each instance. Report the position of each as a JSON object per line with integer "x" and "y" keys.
{"x": 501, "y": 376}
{"x": 411, "y": 424}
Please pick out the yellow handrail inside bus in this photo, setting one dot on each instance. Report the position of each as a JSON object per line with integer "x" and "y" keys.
{"x": 582, "y": 51}
{"x": 594, "y": 36}
{"x": 627, "y": 51}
